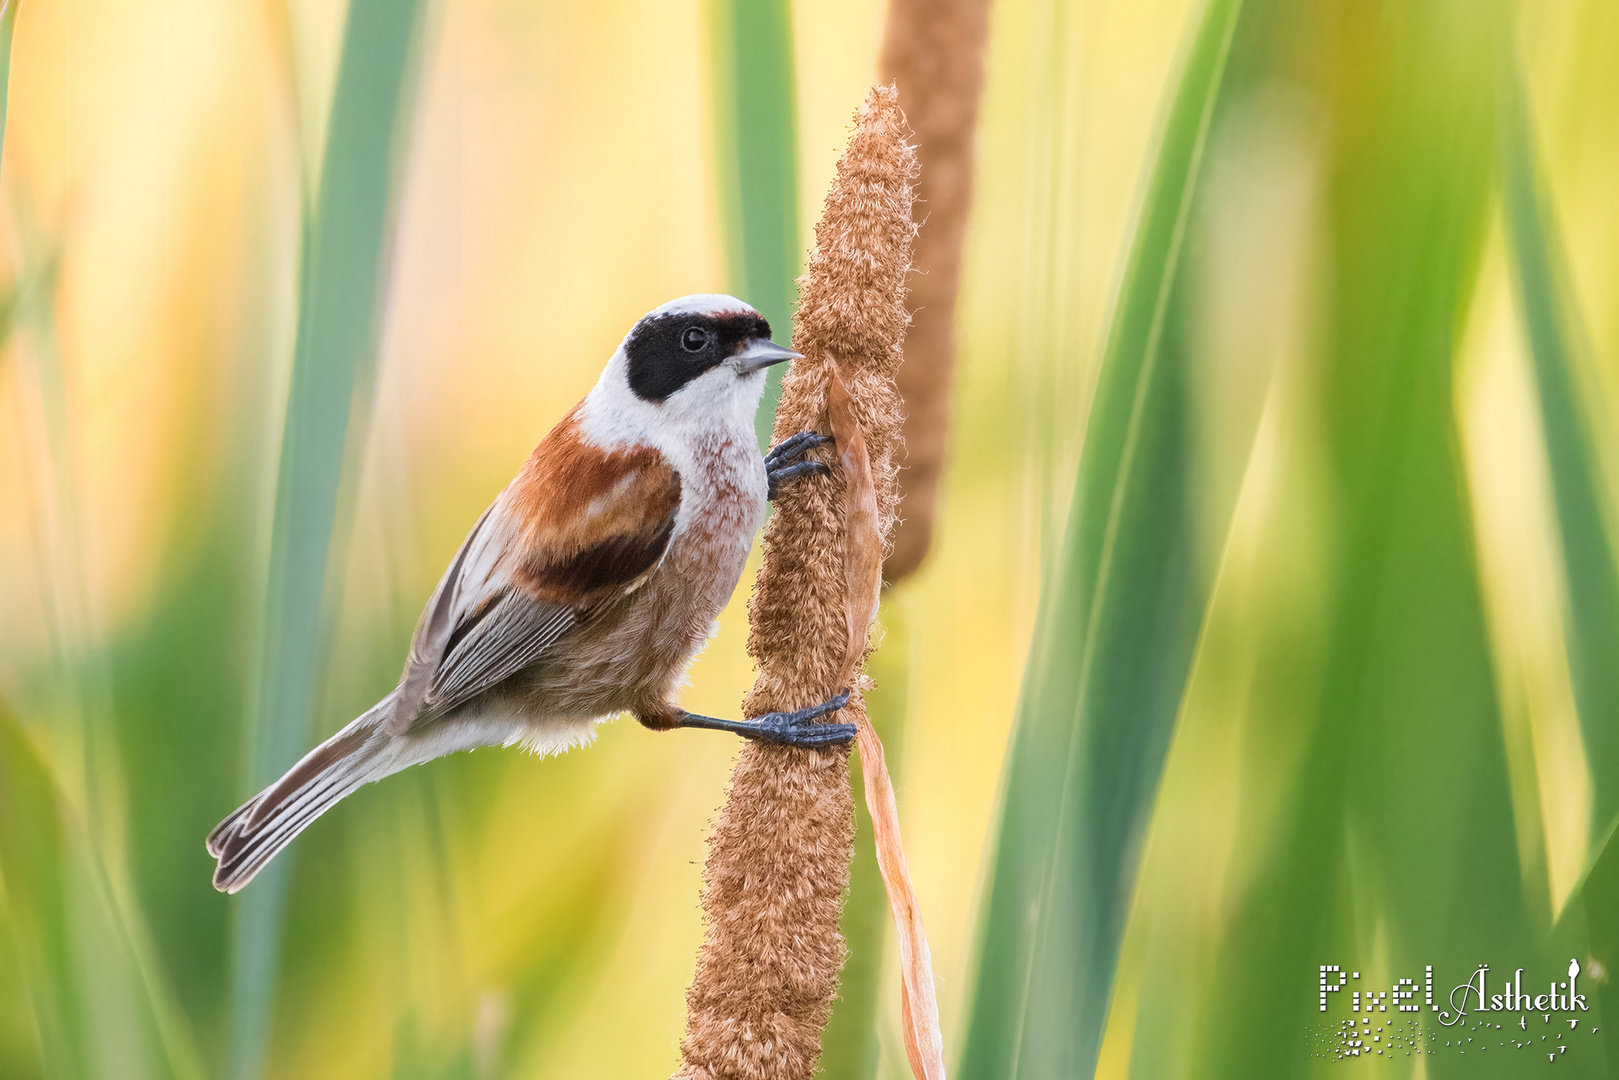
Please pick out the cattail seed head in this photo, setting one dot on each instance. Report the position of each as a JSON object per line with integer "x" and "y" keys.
{"x": 778, "y": 860}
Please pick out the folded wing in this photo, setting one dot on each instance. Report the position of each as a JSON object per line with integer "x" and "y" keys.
{"x": 579, "y": 528}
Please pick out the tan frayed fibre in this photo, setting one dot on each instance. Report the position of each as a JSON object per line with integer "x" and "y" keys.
{"x": 863, "y": 576}
{"x": 778, "y": 861}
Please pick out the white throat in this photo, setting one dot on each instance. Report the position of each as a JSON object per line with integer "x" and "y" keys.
{"x": 705, "y": 430}
{"x": 717, "y": 404}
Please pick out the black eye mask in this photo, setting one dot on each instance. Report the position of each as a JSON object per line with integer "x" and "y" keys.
{"x": 661, "y": 357}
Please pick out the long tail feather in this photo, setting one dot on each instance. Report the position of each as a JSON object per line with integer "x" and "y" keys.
{"x": 255, "y": 831}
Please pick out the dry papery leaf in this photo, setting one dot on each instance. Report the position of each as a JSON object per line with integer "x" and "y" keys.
{"x": 862, "y": 569}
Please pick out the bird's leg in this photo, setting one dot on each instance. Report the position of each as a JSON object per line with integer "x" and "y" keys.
{"x": 786, "y": 462}
{"x": 797, "y": 728}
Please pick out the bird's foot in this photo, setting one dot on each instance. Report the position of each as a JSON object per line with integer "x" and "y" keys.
{"x": 796, "y": 728}
{"x": 786, "y": 462}
{"x": 794, "y": 447}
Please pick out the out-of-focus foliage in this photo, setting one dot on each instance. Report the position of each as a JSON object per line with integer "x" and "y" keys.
{"x": 756, "y": 152}
{"x": 1357, "y": 773}
{"x": 1121, "y": 614}
{"x": 1557, "y": 339}
{"x": 1316, "y": 302}
{"x": 347, "y": 236}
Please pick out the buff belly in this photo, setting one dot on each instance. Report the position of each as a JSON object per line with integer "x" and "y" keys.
{"x": 630, "y": 658}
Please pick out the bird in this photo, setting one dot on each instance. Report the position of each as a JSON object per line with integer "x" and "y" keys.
{"x": 586, "y": 588}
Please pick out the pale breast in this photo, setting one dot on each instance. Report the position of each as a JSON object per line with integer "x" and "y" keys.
{"x": 715, "y": 528}
{"x": 636, "y": 654}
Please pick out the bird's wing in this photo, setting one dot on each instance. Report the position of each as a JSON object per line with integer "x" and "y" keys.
{"x": 579, "y": 527}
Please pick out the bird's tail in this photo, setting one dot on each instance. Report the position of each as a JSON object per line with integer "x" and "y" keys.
{"x": 259, "y": 828}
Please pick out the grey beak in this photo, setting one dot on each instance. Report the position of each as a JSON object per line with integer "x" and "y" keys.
{"x": 762, "y": 353}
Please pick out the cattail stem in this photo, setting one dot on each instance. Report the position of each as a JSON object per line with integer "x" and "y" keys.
{"x": 934, "y": 52}
{"x": 778, "y": 861}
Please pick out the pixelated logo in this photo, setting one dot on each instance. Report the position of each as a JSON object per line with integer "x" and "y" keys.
{"x": 1477, "y": 1016}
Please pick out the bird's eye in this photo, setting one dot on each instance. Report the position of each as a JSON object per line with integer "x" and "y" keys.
{"x": 694, "y": 339}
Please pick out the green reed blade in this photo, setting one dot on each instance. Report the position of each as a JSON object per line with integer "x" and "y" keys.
{"x": 756, "y": 149}
{"x": 1596, "y": 904}
{"x": 1386, "y": 838}
{"x": 33, "y": 861}
{"x": 1115, "y": 639}
{"x": 8, "y": 24}
{"x": 1556, "y": 342}
{"x": 347, "y": 240}
{"x": 95, "y": 989}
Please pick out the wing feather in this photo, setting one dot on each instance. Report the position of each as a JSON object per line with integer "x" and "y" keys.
{"x": 515, "y": 633}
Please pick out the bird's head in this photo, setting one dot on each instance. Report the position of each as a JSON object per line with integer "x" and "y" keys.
{"x": 689, "y": 369}
{"x": 699, "y": 355}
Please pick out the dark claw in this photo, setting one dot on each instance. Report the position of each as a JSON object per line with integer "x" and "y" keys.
{"x": 798, "y": 728}
{"x": 817, "y": 735}
{"x": 778, "y": 477}
{"x": 786, "y": 462}
{"x": 795, "y": 447}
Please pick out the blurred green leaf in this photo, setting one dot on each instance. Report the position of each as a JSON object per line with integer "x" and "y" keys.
{"x": 1597, "y": 904}
{"x": 111, "y": 983}
{"x": 347, "y": 240}
{"x": 1117, "y": 628}
{"x": 1391, "y": 840}
{"x": 756, "y": 142}
{"x": 1556, "y": 340}
{"x": 100, "y": 1004}
{"x": 178, "y": 680}
{"x": 33, "y": 844}
{"x": 8, "y": 24}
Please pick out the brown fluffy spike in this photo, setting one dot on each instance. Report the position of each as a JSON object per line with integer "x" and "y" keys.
{"x": 934, "y": 52}
{"x": 778, "y": 861}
